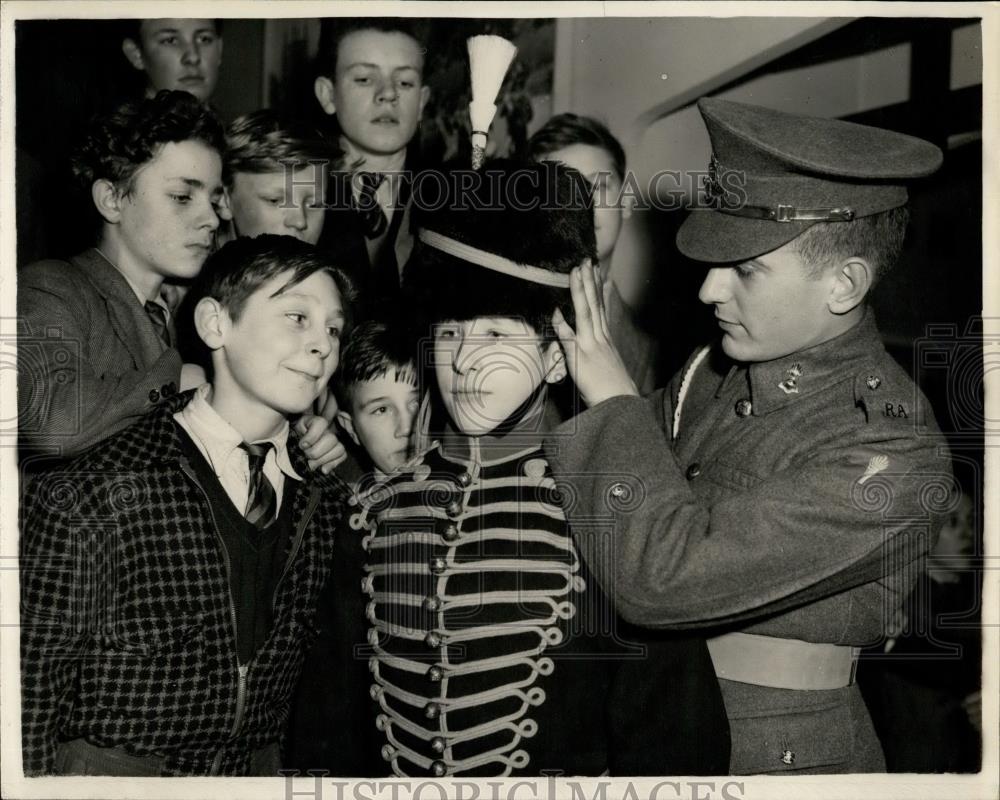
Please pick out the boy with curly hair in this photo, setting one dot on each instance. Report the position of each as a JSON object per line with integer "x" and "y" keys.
{"x": 97, "y": 346}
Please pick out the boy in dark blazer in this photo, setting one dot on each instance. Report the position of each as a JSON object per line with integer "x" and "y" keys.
{"x": 783, "y": 490}
{"x": 203, "y": 539}
{"x": 370, "y": 83}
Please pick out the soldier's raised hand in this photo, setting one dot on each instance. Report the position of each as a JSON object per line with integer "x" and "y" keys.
{"x": 591, "y": 357}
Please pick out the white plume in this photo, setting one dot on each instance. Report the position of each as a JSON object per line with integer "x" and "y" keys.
{"x": 489, "y": 59}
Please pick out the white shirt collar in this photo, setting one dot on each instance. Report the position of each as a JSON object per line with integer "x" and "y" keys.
{"x": 221, "y": 440}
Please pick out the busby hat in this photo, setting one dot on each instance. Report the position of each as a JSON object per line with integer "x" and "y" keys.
{"x": 503, "y": 242}
{"x": 773, "y": 174}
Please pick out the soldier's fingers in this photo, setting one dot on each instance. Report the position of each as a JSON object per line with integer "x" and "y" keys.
{"x": 567, "y": 337}
{"x": 593, "y": 307}
{"x": 602, "y": 309}
{"x": 581, "y": 307}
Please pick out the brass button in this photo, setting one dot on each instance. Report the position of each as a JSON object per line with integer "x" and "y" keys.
{"x": 432, "y": 603}
{"x": 432, "y": 710}
{"x": 439, "y": 768}
{"x": 464, "y": 480}
{"x": 743, "y": 408}
{"x": 438, "y": 565}
{"x": 435, "y": 674}
{"x": 454, "y": 508}
{"x": 450, "y": 532}
{"x": 694, "y": 470}
{"x": 432, "y": 639}
{"x": 154, "y": 396}
{"x": 787, "y": 757}
{"x": 438, "y": 744}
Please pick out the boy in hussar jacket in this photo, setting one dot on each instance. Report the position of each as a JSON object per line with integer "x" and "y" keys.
{"x": 493, "y": 653}
{"x": 792, "y": 475}
{"x": 202, "y": 540}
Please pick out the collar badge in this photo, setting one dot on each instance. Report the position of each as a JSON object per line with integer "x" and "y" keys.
{"x": 790, "y": 384}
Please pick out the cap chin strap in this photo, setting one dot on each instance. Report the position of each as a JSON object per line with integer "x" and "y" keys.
{"x": 783, "y": 213}
{"x": 482, "y": 258}
{"x": 779, "y": 213}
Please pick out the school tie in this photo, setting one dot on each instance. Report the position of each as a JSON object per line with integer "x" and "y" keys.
{"x": 261, "y": 500}
{"x": 371, "y": 212}
{"x": 158, "y": 316}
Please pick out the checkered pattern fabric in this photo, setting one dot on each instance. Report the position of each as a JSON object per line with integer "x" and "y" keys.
{"x": 127, "y": 627}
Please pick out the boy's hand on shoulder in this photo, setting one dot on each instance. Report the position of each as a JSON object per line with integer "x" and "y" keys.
{"x": 591, "y": 358}
{"x": 320, "y": 445}
{"x": 326, "y": 405}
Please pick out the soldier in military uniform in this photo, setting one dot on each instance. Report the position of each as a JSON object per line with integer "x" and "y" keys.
{"x": 791, "y": 476}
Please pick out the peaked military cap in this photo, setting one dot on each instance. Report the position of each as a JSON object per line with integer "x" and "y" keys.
{"x": 773, "y": 174}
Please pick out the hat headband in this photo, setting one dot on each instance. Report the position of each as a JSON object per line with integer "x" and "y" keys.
{"x": 497, "y": 263}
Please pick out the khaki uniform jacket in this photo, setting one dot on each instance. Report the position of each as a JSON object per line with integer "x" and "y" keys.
{"x": 90, "y": 362}
{"x": 795, "y": 501}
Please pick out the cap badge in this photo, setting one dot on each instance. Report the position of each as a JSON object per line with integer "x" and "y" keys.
{"x": 712, "y": 185}
{"x": 723, "y": 187}
{"x": 790, "y": 384}
{"x": 873, "y": 382}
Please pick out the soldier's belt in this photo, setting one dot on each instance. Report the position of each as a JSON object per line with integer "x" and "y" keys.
{"x": 782, "y": 663}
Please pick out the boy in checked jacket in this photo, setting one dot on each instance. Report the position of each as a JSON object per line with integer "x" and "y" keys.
{"x": 169, "y": 576}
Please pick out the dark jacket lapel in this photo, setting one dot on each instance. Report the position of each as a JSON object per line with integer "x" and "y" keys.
{"x": 125, "y": 312}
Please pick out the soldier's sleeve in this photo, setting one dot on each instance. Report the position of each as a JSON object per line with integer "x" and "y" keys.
{"x": 811, "y": 531}
{"x": 63, "y": 399}
{"x": 54, "y": 566}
